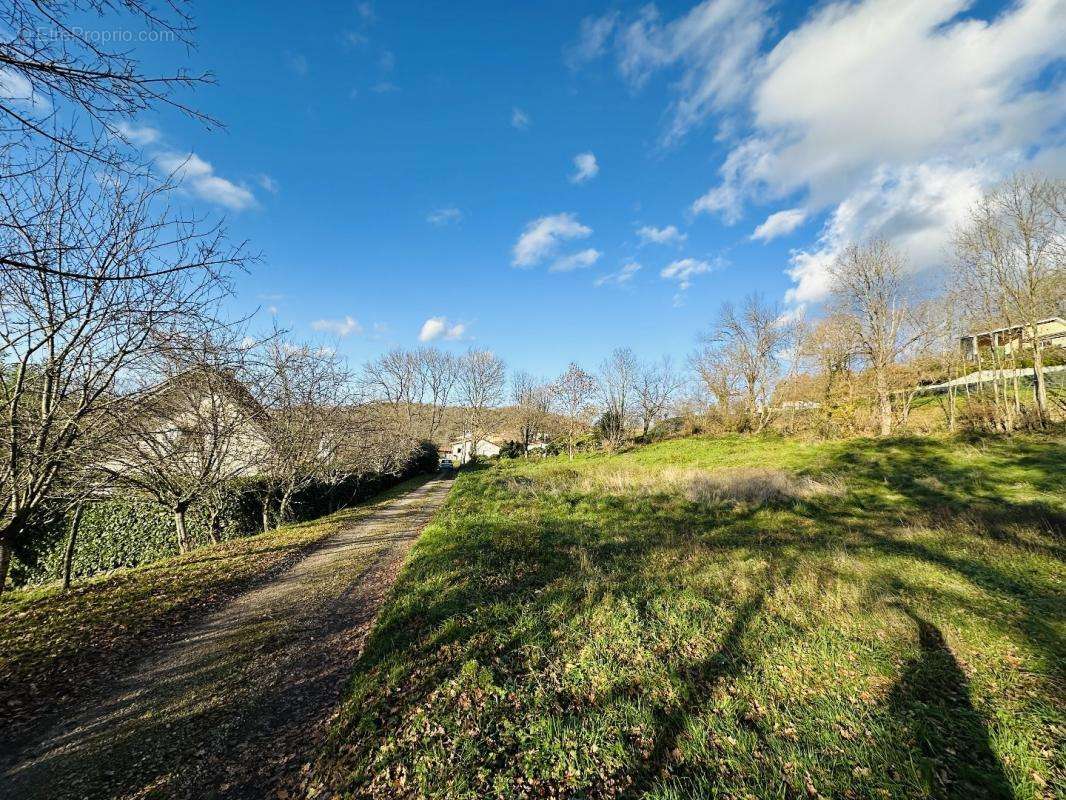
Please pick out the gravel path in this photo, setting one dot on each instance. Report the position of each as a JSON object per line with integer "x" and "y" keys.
{"x": 236, "y": 708}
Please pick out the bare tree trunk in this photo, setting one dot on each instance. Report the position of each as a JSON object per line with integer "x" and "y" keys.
{"x": 182, "y": 531}
{"x": 1017, "y": 390}
{"x": 884, "y": 402}
{"x": 68, "y": 554}
{"x": 1039, "y": 386}
{"x": 283, "y": 508}
{"x": 214, "y": 529}
{"x": 5, "y": 564}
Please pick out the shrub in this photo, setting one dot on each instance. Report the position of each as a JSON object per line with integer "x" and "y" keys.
{"x": 511, "y": 449}
{"x": 124, "y": 533}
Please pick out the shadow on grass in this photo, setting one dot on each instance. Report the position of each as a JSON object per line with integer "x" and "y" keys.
{"x": 933, "y": 700}
{"x": 497, "y": 554}
{"x": 730, "y": 660}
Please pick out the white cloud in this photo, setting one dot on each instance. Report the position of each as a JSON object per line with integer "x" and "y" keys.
{"x": 441, "y": 328}
{"x": 915, "y": 208}
{"x": 384, "y": 87}
{"x": 889, "y": 114}
{"x": 198, "y": 176}
{"x": 543, "y": 236}
{"x": 520, "y": 119}
{"x": 448, "y": 215}
{"x": 184, "y": 165}
{"x": 714, "y": 45}
{"x": 136, "y": 134}
{"x": 621, "y": 277}
{"x": 338, "y": 327}
{"x": 964, "y": 84}
{"x": 592, "y": 40}
{"x": 16, "y": 88}
{"x": 684, "y": 270}
{"x": 579, "y": 260}
{"x": 586, "y": 168}
{"x": 668, "y": 235}
{"x": 268, "y": 183}
{"x": 779, "y": 224}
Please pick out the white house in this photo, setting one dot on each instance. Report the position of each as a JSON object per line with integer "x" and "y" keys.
{"x": 1051, "y": 331}
{"x": 460, "y": 450}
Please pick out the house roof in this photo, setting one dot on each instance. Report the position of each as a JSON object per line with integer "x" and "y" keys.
{"x": 205, "y": 379}
{"x": 1013, "y": 327}
{"x": 465, "y": 439}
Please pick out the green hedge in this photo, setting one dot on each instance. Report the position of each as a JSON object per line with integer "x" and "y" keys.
{"x": 122, "y": 533}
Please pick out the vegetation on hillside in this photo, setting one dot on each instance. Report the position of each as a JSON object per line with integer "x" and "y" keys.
{"x": 730, "y": 617}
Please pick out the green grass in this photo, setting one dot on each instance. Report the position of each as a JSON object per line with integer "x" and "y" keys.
{"x": 55, "y": 645}
{"x": 605, "y": 628}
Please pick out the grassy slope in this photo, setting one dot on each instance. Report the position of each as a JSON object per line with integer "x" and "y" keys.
{"x": 53, "y": 644}
{"x": 560, "y": 631}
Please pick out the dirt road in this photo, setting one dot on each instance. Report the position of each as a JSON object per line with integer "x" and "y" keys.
{"x": 235, "y": 708}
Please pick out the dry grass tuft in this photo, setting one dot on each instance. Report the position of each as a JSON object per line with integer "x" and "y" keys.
{"x": 752, "y": 487}
{"x": 756, "y": 486}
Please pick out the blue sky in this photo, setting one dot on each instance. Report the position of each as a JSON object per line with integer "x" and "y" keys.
{"x": 399, "y": 162}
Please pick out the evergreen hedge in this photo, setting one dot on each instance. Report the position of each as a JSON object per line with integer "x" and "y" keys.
{"x": 125, "y": 533}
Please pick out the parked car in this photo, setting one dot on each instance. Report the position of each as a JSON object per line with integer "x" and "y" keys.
{"x": 446, "y": 463}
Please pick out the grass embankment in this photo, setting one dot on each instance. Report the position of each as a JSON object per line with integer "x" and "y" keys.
{"x": 732, "y": 617}
{"x": 55, "y": 645}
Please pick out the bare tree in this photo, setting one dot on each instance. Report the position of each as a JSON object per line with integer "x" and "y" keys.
{"x": 480, "y": 381}
{"x": 439, "y": 370}
{"x": 656, "y": 386}
{"x": 618, "y": 378}
{"x": 300, "y": 388}
{"x": 831, "y": 344}
{"x": 398, "y": 379}
{"x": 181, "y": 442}
{"x": 753, "y": 339}
{"x": 532, "y": 400}
{"x": 573, "y": 393}
{"x": 415, "y": 385}
{"x": 114, "y": 274}
{"x": 357, "y": 440}
{"x": 870, "y": 285}
{"x": 717, "y": 372}
{"x": 60, "y": 78}
{"x": 1010, "y": 261}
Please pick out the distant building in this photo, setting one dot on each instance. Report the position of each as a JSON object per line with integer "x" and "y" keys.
{"x": 800, "y": 405}
{"x": 1014, "y": 338}
{"x": 460, "y": 450}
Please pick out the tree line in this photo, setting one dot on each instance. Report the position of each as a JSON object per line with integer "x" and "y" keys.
{"x": 121, "y": 373}
{"x": 885, "y": 335}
